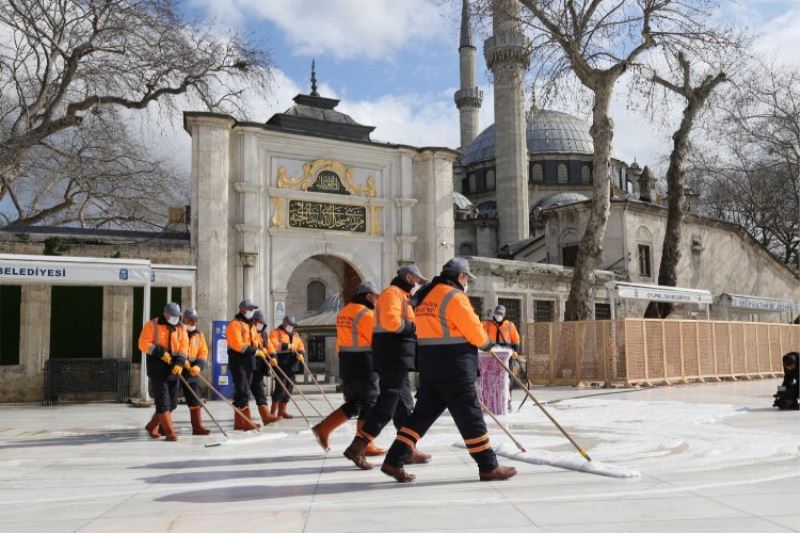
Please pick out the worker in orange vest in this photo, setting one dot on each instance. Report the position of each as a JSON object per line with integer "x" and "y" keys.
{"x": 197, "y": 359}
{"x": 290, "y": 351}
{"x": 165, "y": 341}
{"x": 242, "y": 338}
{"x": 265, "y": 356}
{"x": 449, "y": 335}
{"x": 501, "y": 331}
{"x": 394, "y": 346}
{"x": 354, "y": 325}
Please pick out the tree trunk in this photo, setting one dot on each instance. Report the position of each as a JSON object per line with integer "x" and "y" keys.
{"x": 676, "y": 199}
{"x": 579, "y": 304}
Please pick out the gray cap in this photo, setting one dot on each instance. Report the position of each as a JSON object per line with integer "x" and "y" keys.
{"x": 247, "y": 303}
{"x": 289, "y": 319}
{"x": 191, "y": 314}
{"x": 172, "y": 309}
{"x": 500, "y": 309}
{"x": 458, "y": 265}
{"x": 259, "y": 316}
{"x": 367, "y": 288}
{"x": 411, "y": 269}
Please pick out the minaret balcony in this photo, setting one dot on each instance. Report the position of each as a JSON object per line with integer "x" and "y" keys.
{"x": 468, "y": 97}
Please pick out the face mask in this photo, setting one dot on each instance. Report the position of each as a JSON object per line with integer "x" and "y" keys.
{"x": 289, "y": 329}
{"x": 191, "y": 328}
{"x": 415, "y": 288}
{"x": 259, "y": 327}
{"x": 173, "y": 320}
{"x": 498, "y": 318}
{"x": 248, "y": 314}
{"x": 466, "y": 287}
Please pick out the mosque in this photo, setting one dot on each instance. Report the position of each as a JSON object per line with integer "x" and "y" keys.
{"x": 296, "y": 211}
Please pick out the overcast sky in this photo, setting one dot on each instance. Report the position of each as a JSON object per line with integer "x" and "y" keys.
{"x": 394, "y": 65}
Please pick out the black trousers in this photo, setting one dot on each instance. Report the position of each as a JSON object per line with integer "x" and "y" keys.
{"x": 394, "y": 400}
{"x": 242, "y": 373}
{"x": 194, "y": 384}
{"x": 287, "y": 364}
{"x": 257, "y": 386}
{"x": 165, "y": 389}
{"x": 360, "y": 396}
{"x": 461, "y": 399}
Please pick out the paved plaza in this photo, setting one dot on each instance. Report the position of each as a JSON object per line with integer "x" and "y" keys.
{"x": 712, "y": 457}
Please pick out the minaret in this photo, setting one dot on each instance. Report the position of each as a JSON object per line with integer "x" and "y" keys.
{"x": 468, "y": 98}
{"x": 507, "y": 56}
{"x": 313, "y": 79}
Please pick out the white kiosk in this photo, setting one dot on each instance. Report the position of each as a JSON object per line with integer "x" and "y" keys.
{"x": 656, "y": 293}
{"x": 99, "y": 271}
{"x": 757, "y": 305}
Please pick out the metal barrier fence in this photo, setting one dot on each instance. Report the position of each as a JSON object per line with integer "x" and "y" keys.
{"x": 651, "y": 351}
{"x": 86, "y": 376}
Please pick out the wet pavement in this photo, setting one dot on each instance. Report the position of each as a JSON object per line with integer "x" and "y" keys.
{"x": 712, "y": 457}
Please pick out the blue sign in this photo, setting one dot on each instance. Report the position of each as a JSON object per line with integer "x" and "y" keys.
{"x": 123, "y": 273}
{"x": 220, "y": 370}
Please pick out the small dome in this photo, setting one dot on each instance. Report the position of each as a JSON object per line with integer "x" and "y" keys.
{"x": 547, "y": 132}
{"x": 462, "y": 203}
{"x": 562, "y": 198}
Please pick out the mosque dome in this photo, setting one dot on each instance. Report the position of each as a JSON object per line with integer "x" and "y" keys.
{"x": 562, "y": 198}
{"x": 461, "y": 202}
{"x": 547, "y": 132}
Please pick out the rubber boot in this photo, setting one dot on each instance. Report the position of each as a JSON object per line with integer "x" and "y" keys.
{"x": 323, "y": 430}
{"x": 371, "y": 450}
{"x": 355, "y": 452}
{"x": 152, "y": 427}
{"x": 166, "y": 424}
{"x": 248, "y": 422}
{"x": 273, "y": 410}
{"x": 196, "y": 415}
{"x": 238, "y": 422}
{"x": 266, "y": 416}
{"x": 398, "y": 472}
{"x": 499, "y": 473}
{"x": 282, "y": 410}
{"x": 416, "y": 457}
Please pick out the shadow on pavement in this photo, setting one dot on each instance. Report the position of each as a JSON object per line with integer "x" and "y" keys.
{"x": 201, "y": 477}
{"x": 106, "y": 437}
{"x": 237, "y": 461}
{"x": 272, "y": 492}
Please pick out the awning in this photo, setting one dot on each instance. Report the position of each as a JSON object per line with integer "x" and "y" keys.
{"x": 659, "y": 293}
{"x": 757, "y": 303}
{"x": 59, "y": 270}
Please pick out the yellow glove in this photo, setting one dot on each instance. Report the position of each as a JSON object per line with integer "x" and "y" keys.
{"x": 187, "y": 365}
{"x": 195, "y": 371}
{"x": 300, "y": 358}
{"x": 176, "y": 370}
{"x": 273, "y": 361}
{"x": 261, "y": 353}
{"x": 514, "y": 356}
{"x": 167, "y": 358}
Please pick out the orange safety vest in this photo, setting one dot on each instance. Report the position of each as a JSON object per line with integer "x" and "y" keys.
{"x": 445, "y": 317}
{"x": 283, "y": 343}
{"x": 240, "y": 335}
{"x": 393, "y": 310}
{"x": 174, "y": 342}
{"x": 198, "y": 349}
{"x": 505, "y": 334}
{"x": 354, "y": 325}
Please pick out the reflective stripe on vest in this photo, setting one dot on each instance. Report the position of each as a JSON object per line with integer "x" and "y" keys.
{"x": 446, "y": 338}
{"x": 155, "y": 336}
{"x": 354, "y": 332}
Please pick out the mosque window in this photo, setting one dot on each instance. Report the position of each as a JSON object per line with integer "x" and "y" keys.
{"x": 602, "y": 311}
{"x": 586, "y": 174}
{"x": 466, "y": 248}
{"x": 473, "y": 182}
{"x": 543, "y": 310}
{"x": 562, "y": 173}
{"x": 315, "y": 295}
{"x": 537, "y": 173}
{"x": 490, "y": 180}
{"x": 569, "y": 255}
{"x": 513, "y": 309}
{"x": 644, "y": 260}
{"x": 465, "y": 186}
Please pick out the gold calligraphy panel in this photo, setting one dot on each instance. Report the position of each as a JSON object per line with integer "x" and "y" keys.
{"x": 318, "y": 215}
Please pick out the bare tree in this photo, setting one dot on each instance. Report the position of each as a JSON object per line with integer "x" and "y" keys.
{"x": 695, "y": 96}
{"x": 596, "y": 42}
{"x": 64, "y": 63}
{"x": 753, "y": 178}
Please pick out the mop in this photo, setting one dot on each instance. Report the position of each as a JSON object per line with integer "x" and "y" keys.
{"x": 548, "y": 458}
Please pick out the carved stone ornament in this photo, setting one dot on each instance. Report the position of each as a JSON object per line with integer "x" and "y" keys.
{"x": 323, "y": 175}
